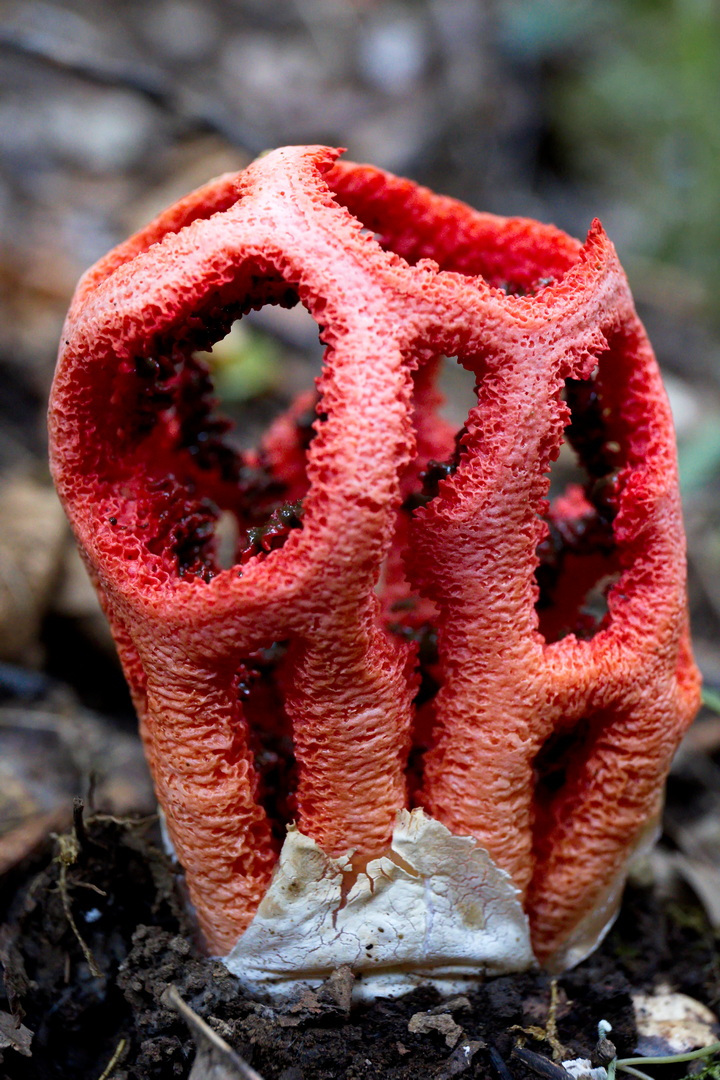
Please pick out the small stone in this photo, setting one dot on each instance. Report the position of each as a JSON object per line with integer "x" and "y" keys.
{"x": 670, "y": 1023}
{"x": 423, "y": 1023}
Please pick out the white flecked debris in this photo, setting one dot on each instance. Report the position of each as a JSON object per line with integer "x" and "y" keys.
{"x": 434, "y": 908}
{"x": 581, "y": 1069}
{"x": 670, "y": 1023}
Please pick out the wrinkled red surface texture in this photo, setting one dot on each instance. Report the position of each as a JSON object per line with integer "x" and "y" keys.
{"x": 288, "y": 686}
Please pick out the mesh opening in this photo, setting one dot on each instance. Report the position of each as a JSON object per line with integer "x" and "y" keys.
{"x": 270, "y": 736}
{"x": 578, "y": 562}
{"x": 197, "y": 497}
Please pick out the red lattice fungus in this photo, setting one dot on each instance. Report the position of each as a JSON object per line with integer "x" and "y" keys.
{"x": 407, "y": 614}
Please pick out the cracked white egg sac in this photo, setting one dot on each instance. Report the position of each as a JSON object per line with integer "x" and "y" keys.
{"x": 434, "y": 908}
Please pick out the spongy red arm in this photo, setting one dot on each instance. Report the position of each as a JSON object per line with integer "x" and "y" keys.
{"x": 510, "y": 701}
{"x": 140, "y": 478}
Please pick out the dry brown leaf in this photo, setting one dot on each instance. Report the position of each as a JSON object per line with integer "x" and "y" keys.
{"x": 47, "y": 758}
{"x": 33, "y": 531}
{"x": 14, "y": 1035}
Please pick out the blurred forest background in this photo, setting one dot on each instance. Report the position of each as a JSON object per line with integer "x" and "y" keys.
{"x": 560, "y": 110}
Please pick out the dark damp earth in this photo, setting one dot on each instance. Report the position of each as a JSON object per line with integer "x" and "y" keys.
{"x": 102, "y": 898}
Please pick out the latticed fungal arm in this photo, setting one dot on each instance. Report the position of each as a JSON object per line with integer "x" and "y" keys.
{"x": 142, "y": 483}
{"x": 552, "y": 752}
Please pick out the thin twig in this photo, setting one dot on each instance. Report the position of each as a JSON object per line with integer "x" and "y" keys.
{"x": 94, "y": 969}
{"x": 191, "y": 107}
{"x": 114, "y": 1060}
{"x": 128, "y": 822}
{"x": 89, "y": 885}
{"x": 78, "y": 823}
{"x": 202, "y": 1032}
{"x": 67, "y": 856}
{"x": 558, "y": 1049}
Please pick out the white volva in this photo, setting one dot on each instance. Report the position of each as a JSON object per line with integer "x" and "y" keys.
{"x": 433, "y": 909}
